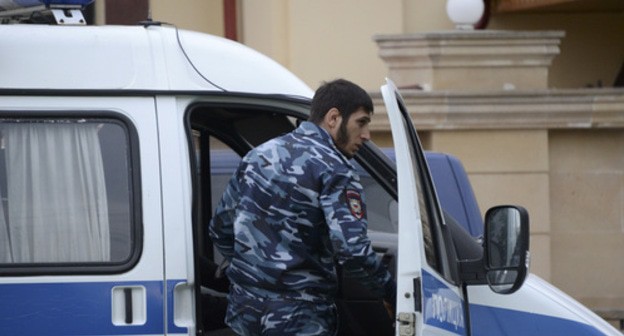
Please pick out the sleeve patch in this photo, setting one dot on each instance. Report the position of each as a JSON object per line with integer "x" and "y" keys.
{"x": 355, "y": 203}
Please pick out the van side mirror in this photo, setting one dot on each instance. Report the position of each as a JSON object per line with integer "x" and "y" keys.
{"x": 506, "y": 248}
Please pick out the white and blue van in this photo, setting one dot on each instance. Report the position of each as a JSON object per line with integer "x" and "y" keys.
{"x": 109, "y": 165}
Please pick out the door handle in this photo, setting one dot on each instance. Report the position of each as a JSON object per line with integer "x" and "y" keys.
{"x": 129, "y": 305}
{"x": 183, "y": 315}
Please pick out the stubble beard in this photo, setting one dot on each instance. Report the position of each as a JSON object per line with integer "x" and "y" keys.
{"x": 342, "y": 139}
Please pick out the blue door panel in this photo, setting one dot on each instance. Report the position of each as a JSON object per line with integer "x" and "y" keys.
{"x": 494, "y": 321}
{"x": 74, "y": 309}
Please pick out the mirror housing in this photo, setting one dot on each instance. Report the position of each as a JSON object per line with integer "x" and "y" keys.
{"x": 506, "y": 248}
{"x": 503, "y": 261}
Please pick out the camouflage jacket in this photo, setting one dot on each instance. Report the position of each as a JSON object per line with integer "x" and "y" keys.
{"x": 292, "y": 209}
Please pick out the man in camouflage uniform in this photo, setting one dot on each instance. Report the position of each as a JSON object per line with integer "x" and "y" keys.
{"x": 291, "y": 211}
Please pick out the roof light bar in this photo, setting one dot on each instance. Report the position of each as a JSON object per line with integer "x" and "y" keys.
{"x": 69, "y": 3}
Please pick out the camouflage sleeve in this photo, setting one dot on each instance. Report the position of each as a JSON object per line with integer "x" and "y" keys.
{"x": 221, "y": 227}
{"x": 345, "y": 212}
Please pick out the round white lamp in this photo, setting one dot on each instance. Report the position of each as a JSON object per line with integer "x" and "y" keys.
{"x": 465, "y": 13}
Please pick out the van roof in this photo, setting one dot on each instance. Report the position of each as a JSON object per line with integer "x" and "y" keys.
{"x": 155, "y": 57}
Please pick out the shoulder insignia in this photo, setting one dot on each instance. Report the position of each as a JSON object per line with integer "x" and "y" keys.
{"x": 355, "y": 203}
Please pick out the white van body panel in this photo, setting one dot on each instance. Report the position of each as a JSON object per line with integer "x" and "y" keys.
{"x": 136, "y": 58}
{"x": 177, "y": 200}
{"x": 541, "y": 307}
{"x": 559, "y": 301}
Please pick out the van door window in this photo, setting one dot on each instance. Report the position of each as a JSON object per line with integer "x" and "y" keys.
{"x": 66, "y": 192}
{"x": 382, "y": 209}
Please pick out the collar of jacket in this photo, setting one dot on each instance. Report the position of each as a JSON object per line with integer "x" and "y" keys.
{"x": 308, "y": 128}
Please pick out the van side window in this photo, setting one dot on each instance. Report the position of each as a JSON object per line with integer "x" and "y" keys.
{"x": 65, "y": 187}
{"x": 223, "y": 163}
{"x": 382, "y": 209}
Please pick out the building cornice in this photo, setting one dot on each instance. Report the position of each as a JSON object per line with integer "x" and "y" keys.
{"x": 539, "y": 109}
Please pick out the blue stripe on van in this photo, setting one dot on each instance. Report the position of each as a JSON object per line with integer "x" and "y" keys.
{"x": 444, "y": 309}
{"x": 85, "y": 309}
{"x": 487, "y": 320}
{"x": 78, "y": 309}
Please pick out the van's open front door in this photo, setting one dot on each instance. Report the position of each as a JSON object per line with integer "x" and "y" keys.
{"x": 428, "y": 301}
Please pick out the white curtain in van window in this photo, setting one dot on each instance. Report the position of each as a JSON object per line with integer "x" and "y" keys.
{"x": 5, "y": 246}
{"x": 57, "y": 205}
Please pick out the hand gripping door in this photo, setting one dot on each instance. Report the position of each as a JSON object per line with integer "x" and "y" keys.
{"x": 427, "y": 303}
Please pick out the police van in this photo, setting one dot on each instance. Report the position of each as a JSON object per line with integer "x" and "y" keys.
{"x": 109, "y": 142}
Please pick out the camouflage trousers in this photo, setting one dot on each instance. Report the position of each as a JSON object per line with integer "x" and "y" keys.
{"x": 253, "y": 316}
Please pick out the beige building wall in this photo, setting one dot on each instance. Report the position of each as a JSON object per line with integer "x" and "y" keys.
{"x": 198, "y": 15}
{"x": 323, "y": 39}
{"x": 266, "y": 28}
{"x": 421, "y": 16}
{"x": 100, "y": 13}
{"x": 508, "y": 167}
{"x": 587, "y": 214}
{"x": 591, "y": 52}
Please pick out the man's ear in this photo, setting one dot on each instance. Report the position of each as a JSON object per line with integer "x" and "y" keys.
{"x": 333, "y": 118}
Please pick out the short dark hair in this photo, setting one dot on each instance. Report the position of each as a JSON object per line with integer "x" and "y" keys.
{"x": 342, "y": 94}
